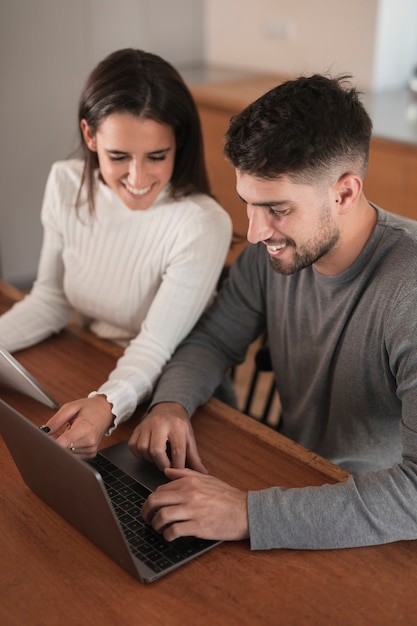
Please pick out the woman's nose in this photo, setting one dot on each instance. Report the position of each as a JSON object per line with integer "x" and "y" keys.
{"x": 137, "y": 175}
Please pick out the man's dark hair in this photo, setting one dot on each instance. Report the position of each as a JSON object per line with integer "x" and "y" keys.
{"x": 305, "y": 128}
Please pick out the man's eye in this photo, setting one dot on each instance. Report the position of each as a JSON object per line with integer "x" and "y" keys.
{"x": 279, "y": 212}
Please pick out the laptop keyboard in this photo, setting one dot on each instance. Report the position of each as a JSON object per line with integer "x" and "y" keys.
{"x": 127, "y": 497}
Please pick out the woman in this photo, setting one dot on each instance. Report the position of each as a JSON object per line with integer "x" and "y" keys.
{"x": 133, "y": 241}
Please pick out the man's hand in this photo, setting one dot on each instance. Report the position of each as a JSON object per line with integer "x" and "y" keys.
{"x": 167, "y": 423}
{"x": 198, "y": 505}
{"x": 81, "y": 425}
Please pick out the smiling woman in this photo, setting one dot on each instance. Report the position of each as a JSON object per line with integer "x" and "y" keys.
{"x": 136, "y": 157}
{"x": 133, "y": 240}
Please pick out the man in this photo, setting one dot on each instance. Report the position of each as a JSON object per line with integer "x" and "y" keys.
{"x": 331, "y": 279}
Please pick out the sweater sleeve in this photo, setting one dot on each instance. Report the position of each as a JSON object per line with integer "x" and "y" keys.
{"x": 188, "y": 284}
{"x": 45, "y": 310}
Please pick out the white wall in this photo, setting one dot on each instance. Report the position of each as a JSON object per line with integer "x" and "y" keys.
{"x": 44, "y": 57}
{"x": 374, "y": 40}
{"x": 47, "y": 49}
{"x": 171, "y": 28}
{"x": 395, "y": 53}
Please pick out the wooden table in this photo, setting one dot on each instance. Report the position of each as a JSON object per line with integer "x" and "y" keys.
{"x": 51, "y": 575}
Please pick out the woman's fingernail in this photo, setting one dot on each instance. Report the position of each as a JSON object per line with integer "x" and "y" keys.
{"x": 45, "y": 429}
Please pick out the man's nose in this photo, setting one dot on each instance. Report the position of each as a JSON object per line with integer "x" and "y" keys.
{"x": 259, "y": 228}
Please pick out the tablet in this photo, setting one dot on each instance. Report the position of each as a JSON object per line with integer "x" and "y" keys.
{"x": 14, "y": 375}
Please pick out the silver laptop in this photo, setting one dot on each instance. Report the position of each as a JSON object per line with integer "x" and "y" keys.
{"x": 101, "y": 498}
{"x": 14, "y": 375}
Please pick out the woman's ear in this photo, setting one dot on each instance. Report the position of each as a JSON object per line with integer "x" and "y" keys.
{"x": 89, "y": 138}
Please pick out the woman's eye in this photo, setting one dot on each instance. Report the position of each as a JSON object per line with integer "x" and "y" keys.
{"x": 161, "y": 157}
{"x": 120, "y": 157}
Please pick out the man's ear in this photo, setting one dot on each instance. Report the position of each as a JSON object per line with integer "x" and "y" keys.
{"x": 89, "y": 138}
{"x": 347, "y": 191}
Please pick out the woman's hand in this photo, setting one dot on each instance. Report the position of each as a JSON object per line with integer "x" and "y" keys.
{"x": 165, "y": 437}
{"x": 81, "y": 425}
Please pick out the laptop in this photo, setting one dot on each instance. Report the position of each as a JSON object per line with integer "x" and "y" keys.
{"x": 14, "y": 375}
{"x": 101, "y": 498}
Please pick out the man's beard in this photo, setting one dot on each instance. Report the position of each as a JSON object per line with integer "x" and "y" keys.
{"x": 310, "y": 252}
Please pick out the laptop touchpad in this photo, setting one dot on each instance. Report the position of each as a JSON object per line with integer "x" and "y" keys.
{"x": 139, "y": 469}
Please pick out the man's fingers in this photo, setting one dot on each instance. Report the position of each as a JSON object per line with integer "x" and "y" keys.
{"x": 194, "y": 459}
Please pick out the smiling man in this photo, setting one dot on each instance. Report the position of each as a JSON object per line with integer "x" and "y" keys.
{"x": 331, "y": 279}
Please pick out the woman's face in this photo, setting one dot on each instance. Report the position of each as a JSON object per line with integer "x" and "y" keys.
{"x": 136, "y": 157}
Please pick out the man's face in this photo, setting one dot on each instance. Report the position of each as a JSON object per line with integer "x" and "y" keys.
{"x": 296, "y": 222}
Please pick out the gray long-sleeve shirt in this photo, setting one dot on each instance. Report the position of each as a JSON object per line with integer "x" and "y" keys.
{"x": 344, "y": 353}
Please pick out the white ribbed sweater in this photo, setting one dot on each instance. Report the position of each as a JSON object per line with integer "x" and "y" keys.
{"x": 139, "y": 278}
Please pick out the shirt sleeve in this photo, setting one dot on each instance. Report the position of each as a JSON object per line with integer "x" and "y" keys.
{"x": 45, "y": 310}
{"x": 188, "y": 285}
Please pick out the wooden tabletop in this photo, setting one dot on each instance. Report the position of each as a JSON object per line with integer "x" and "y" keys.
{"x": 51, "y": 575}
